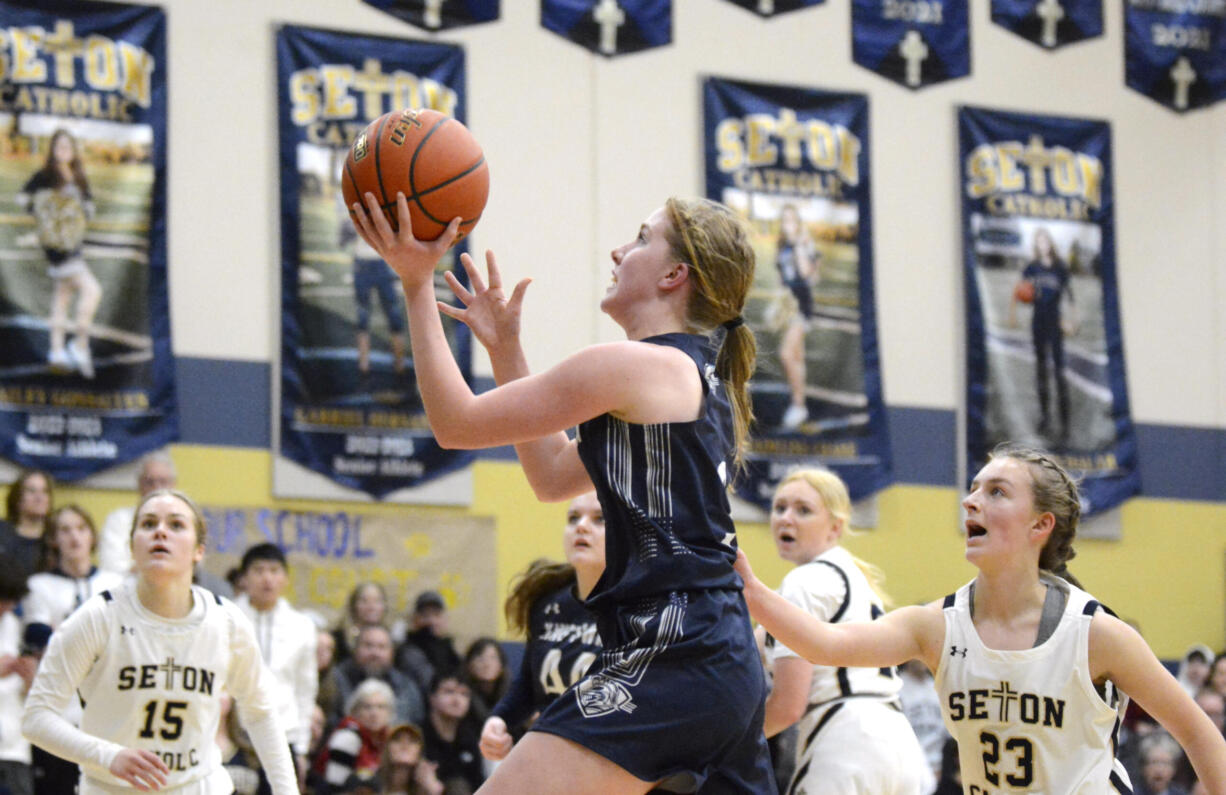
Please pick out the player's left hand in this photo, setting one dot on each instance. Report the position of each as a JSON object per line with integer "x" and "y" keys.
{"x": 413, "y": 260}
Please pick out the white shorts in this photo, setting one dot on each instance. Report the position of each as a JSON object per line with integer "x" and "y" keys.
{"x": 867, "y": 747}
{"x": 73, "y": 266}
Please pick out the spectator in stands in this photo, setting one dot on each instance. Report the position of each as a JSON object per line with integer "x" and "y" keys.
{"x": 1217, "y": 674}
{"x": 367, "y": 604}
{"x": 372, "y": 659}
{"x": 16, "y": 673}
{"x": 1194, "y": 668}
{"x": 27, "y": 506}
{"x": 404, "y": 769}
{"x": 328, "y": 697}
{"x": 1160, "y": 757}
{"x": 156, "y": 471}
{"x": 353, "y": 751}
{"x": 287, "y": 644}
{"x": 485, "y": 673}
{"x": 237, "y": 756}
{"x": 71, "y": 577}
{"x": 1214, "y": 705}
{"x": 453, "y": 734}
{"x": 427, "y": 648}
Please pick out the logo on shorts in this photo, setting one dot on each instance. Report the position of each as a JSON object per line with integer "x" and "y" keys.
{"x": 600, "y": 695}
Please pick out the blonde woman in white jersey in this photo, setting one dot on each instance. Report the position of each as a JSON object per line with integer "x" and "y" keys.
{"x": 151, "y": 659}
{"x": 1033, "y": 700}
{"x": 852, "y": 735}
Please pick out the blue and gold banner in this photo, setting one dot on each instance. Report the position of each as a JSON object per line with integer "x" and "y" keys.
{"x": 913, "y": 42}
{"x": 1045, "y": 355}
{"x": 86, "y": 369}
{"x": 794, "y": 163}
{"x": 439, "y": 14}
{"x": 1050, "y": 23}
{"x": 769, "y": 8}
{"x": 349, "y": 403}
{"x": 610, "y": 27}
{"x": 1175, "y": 51}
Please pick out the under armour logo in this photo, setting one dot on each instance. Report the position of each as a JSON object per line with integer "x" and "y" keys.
{"x": 954, "y": 651}
{"x": 126, "y": 630}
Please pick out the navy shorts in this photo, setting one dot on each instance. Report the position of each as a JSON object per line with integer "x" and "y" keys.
{"x": 677, "y": 696}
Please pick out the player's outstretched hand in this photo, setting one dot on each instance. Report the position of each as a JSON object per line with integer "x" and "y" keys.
{"x": 495, "y": 739}
{"x": 412, "y": 259}
{"x": 142, "y": 769}
{"x": 743, "y": 568}
{"x": 493, "y": 318}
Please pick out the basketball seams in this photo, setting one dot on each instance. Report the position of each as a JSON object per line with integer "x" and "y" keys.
{"x": 378, "y": 147}
{"x": 417, "y": 196}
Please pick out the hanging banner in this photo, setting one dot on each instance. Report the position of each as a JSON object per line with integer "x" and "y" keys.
{"x": 913, "y": 42}
{"x": 439, "y": 14}
{"x": 769, "y": 8}
{"x": 349, "y": 403}
{"x": 794, "y": 163}
{"x": 610, "y": 27}
{"x": 86, "y": 369}
{"x": 1050, "y": 23}
{"x": 1175, "y": 51}
{"x": 1045, "y": 354}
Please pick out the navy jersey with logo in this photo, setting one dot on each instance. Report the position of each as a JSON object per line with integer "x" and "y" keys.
{"x": 1049, "y": 286}
{"x": 662, "y": 488}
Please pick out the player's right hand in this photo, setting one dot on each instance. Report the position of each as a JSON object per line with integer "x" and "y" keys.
{"x": 495, "y": 739}
{"x": 142, "y": 769}
{"x": 488, "y": 312}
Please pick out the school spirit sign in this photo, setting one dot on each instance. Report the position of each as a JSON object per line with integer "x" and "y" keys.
{"x": 349, "y": 403}
{"x": 794, "y": 163}
{"x": 1045, "y": 354}
{"x": 86, "y": 369}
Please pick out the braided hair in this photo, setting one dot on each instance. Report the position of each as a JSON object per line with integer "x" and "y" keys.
{"x": 1055, "y": 492}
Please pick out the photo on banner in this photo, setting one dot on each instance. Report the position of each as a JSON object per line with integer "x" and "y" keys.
{"x": 86, "y": 368}
{"x": 350, "y": 409}
{"x": 1045, "y": 357}
{"x": 793, "y": 162}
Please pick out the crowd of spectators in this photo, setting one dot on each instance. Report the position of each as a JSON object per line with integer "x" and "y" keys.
{"x": 373, "y": 703}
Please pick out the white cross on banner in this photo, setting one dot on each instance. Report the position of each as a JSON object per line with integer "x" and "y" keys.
{"x": 610, "y": 27}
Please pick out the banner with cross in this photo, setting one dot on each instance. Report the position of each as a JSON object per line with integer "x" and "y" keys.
{"x": 1175, "y": 51}
{"x": 610, "y": 27}
{"x": 769, "y": 8}
{"x": 87, "y": 373}
{"x": 794, "y": 162}
{"x": 349, "y": 404}
{"x": 1050, "y": 23}
{"x": 913, "y": 42}
{"x": 1044, "y": 347}
{"x": 439, "y": 14}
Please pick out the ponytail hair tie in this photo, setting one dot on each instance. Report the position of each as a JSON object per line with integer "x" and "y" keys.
{"x": 731, "y": 324}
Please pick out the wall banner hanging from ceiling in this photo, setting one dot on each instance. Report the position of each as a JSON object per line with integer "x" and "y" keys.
{"x": 913, "y": 42}
{"x": 1045, "y": 354}
{"x": 87, "y": 375}
{"x": 1175, "y": 51}
{"x": 610, "y": 27}
{"x": 349, "y": 403}
{"x": 770, "y": 8}
{"x": 439, "y": 14}
{"x": 794, "y": 163}
{"x": 1050, "y": 23}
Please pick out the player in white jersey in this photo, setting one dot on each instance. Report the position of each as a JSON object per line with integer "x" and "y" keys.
{"x": 71, "y": 539}
{"x": 150, "y": 659}
{"x": 1034, "y": 701}
{"x": 853, "y": 736}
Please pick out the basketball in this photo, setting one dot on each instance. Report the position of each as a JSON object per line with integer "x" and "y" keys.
{"x": 1024, "y": 291}
{"x": 429, "y": 157}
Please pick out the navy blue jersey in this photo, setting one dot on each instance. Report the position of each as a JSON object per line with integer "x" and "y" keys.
{"x": 562, "y": 645}
{"x": 663, "y": 491}
{"x": 1049, "y": 286}
{"x": 789, "y": 273}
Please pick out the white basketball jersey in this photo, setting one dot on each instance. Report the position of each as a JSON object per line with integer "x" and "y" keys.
{"x": 1030, "y": 720}
{"x": 152, "y": 683}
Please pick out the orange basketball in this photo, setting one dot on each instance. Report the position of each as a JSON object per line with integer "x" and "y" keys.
{"x": 1024, "y": 291}
{"x": 429, "y": 157}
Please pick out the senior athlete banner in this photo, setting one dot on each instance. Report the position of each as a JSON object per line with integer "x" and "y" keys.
{"x": 610, "y": 27}
{"x": 794, "y": 163}
{"x": 1175, "y": 51}
{"x": 439, "y": 14}
{"x": 913, "y": 42}
{"x": 1045, "y": 356}
{"x": 768, "y": 8}
{"x": 1050, "y": 23}
{"x": 86, "y": 370}
{"x": 349, "y": 403}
